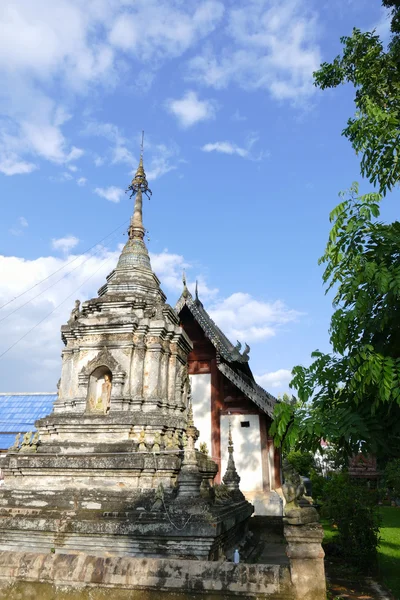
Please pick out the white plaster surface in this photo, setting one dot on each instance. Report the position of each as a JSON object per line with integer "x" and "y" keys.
{"x": 201, "y": 399}
{"x": 271, "y": 465}
{"x": 247, "y": 450}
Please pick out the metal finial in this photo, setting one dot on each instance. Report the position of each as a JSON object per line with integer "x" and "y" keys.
{"x": 139, "y": 182}
{"x": 138, "y": 186}
{"x": 197, "y": 290}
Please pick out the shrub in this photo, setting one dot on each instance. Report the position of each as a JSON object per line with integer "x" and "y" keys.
{"x": 352, "y": 507}
{"x": 392, "y": 477}
{"x": 302, "y": 462}
{"x": 318, "y": 486}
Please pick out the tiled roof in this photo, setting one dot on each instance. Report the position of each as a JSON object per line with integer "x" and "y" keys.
{"x": 223, "y": 346}
{"x": 231, "y": 362}
{"x": 18, "y": 413}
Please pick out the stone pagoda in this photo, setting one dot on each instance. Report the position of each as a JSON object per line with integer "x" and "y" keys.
{"x": 113, "y": 470}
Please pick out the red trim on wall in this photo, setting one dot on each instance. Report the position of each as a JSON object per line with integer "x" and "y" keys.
{"x": 264, "y": 451}
{"x": 216, "y": 406}
{"x": 277, "y": 467}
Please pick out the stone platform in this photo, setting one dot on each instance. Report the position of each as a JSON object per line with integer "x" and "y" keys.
{"x": 88, "y": 577}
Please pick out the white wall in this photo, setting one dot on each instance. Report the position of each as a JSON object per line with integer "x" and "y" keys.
{"x": 247, "y": 450}
{"x": 201, "y": 398}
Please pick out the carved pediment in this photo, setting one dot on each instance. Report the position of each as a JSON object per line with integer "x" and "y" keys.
{"x": 103, "y": 359}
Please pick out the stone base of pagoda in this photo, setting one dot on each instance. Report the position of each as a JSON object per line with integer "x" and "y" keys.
{"x": 143, "y": 527}
{"x": 50, "y": 576}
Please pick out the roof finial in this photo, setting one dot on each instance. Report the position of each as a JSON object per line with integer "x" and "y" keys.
{"x": 185, "y": 292}
{"x": 197, "y": 290}
{"x": 138, "y": 186}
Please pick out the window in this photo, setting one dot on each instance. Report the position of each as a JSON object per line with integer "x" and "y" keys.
{"x": 245, "y": 424}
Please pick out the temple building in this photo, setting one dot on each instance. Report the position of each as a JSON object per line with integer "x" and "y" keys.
{"x": 113, "y": 469}
{"x": 225, "y": 391}
{"x": 110, "y": 494}
{"x": 128, "y": 353}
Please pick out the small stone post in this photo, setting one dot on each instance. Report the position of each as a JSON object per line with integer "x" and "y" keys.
{"x": 304, "y": 535}
{"x": 231, "y": 478}
{"x": 306, "y": 557}
{"x": 189, "y": 478}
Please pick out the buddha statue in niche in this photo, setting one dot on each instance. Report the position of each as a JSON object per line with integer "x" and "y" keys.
{"x": 100, "y": 393}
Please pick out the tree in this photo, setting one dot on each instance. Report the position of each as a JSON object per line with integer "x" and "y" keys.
{"x": 374, "y": 71}
{"x": 351, "y": 397}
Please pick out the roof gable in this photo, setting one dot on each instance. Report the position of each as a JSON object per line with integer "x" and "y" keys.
{"x": 230, "y": 361}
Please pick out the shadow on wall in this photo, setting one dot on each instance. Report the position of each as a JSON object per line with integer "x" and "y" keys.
{"x": 201, "y": 398}
{"x": 247, "y": 449}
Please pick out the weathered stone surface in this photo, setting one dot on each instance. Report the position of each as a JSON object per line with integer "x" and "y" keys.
{"x": 301, "y": 516}
{"x": 119, "y": 576}
{"x": 87, "y": 481}
{"x": 306, "y": 560}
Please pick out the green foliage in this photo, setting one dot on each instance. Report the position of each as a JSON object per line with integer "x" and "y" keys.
{"x": 374, "y": 71}
{"x": 392, "y": 477}
{"x": 352, "y": 507}
{"x": 302, "y": 462}
{"x": 351, "y": 397}
{"x": 318, "y": 486}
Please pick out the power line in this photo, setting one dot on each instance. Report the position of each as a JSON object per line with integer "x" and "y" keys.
{"x": 55, "y": 283}
{"x": 63, "y": 267}
{"x": 54, "y": 309}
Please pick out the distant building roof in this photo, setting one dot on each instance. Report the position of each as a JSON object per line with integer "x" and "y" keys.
{"x": 19, "y": 411}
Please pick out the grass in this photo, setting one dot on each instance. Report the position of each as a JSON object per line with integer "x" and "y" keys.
{"x": 389, "y": 548}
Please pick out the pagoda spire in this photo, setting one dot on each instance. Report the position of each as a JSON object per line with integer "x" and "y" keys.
{"x": 138, "y": 186}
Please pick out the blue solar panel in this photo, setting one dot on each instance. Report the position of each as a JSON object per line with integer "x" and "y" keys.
{"x": 18, "y": 413}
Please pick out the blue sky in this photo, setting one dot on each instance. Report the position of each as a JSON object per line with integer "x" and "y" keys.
{"x": 244, "y": 157}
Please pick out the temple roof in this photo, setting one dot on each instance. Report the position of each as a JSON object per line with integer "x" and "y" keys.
{"x": 230, "y": 361}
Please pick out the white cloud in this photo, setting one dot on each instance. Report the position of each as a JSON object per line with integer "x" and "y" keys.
{"x": 12, "y": 165}
{"x": 170, "y": 267}
{"x": 275, "y": 379}
{"x": 271, "y": 45}
{"x": 190, "y": 110}
{"x": 382, "y": 26}
{"x": 99, "y": 161}
{"x": 225, "y": 148}
{"x": 231, "y": 148}
{"x": 237, "y": 116}
{"x": 163, "y": 159}
{"x": 81, "y": 181}
{"x": 244, "y": 318}
{"x": 111, "y": 193}
{"x": 159, "y": 158}
{"x": 22, "y": 224}
{"x": 119, "y": 150}
{"x": 64, "y": 48}
{"x": 65, "y": 244}
{"x": 154, "y": 30}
